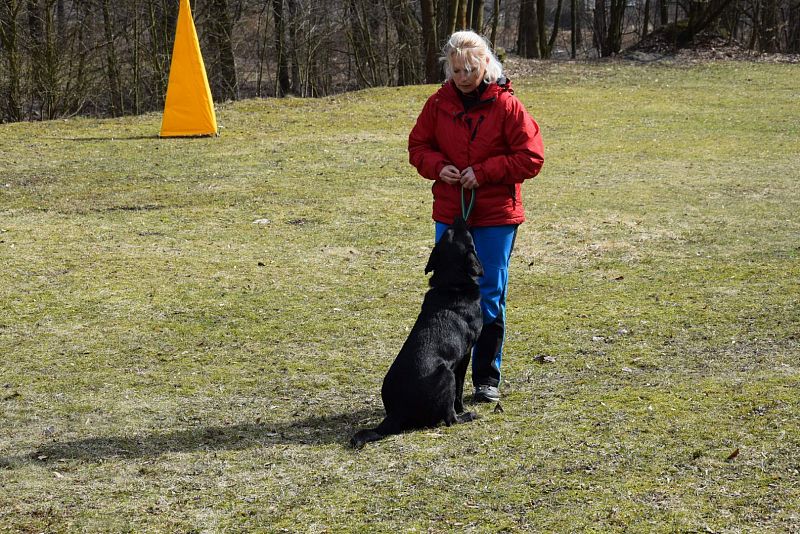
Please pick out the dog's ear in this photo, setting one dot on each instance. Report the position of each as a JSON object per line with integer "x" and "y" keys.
{"x": 474, "y": 267}
{"x": 432, "y": 261}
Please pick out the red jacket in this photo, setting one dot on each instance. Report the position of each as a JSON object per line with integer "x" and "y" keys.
{"x": 497, "y": 137}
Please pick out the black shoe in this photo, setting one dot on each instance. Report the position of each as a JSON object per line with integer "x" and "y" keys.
{"x": 486, "y": 394}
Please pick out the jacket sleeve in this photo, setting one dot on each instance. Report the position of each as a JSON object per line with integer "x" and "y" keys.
{"x": 525, "y": 155}
{"x": 423, "y": 150}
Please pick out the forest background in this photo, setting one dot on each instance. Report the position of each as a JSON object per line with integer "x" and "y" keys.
{"x": 60, "y": 58}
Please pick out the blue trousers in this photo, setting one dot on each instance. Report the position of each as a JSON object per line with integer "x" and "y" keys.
{"x": 494, "y": 245}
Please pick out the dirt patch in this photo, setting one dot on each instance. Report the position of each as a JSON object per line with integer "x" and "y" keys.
{"x": 707, "y": 46}
{"x": 658, "y": 47}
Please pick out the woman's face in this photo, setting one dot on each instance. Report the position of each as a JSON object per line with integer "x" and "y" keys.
{"x": 466, "y": 81}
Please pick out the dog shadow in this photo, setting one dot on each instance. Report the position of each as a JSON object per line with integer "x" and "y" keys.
{"x": 313, "y": 430}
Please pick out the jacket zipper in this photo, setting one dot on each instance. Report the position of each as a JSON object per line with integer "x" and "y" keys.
{"x": 468, "y": 121}
{"x": 475, "y": 131}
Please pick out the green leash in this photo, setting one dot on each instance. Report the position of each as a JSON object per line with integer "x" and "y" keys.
{"x": 465, "y": 211}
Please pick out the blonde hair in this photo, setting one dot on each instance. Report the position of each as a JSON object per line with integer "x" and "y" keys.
{"x": 474, "y": 49}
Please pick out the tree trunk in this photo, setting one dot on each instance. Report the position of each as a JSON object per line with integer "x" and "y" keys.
{"x": 452, "y": 19}
{"x": 552, "y": 41}
{"x": 528, "y": 34}
{"x": 282, "y": 81}
{"x": 495, "y": 21}
{"x": 408, "y": 32}
{"x": 663, "y": 12}
{"x": 136, "y": 71}
{"x": 461, "y": 19}
{"x": 541, "y": 10}
{"x": 161, "y": 28}
{"x": 770, "y": 27}
{"x": 35, "y": 34}
{"x": 220, "y": 29}
{"x": 608, "y": 30}
{"x": 299, "y": 86}
{"x": 601, "y": 28}
{"x": 615, "y": 26}
{"x": 478, "y": 7}
{"x": 793, "y": 27}
{"x": 362, "y": 46}
{"x": 646, "y": 23}
{"x": 429, "y": 42}
{"x": 573, "y": 28}
{"x": 9, "y": 35}
{"x": 61, "y": 22}
{"x": 44, "y": 58}
{"x": 112, "y": 71}
{"x": 701, "y": 16}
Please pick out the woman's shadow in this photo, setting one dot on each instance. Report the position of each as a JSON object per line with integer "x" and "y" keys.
{"x": 313, "y": 430}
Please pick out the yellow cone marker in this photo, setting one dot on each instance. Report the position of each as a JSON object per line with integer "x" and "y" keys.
{"x": 189, "y": 109}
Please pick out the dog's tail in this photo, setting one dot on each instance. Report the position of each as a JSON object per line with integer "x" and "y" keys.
{"x": 362, "y": 437}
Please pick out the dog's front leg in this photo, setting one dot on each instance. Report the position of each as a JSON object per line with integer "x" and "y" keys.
{"x": 460, "y": 372}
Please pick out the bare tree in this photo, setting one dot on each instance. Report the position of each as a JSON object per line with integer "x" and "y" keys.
{"x": 793, "y": 27}
{"x": 220, "y": 31}
{"x": 161, "y": 19}
{"x": 365, "y": 44}
{"x": 9, "y": 39}
{"x": 462, "y": 23}
{"x": 528, "y": 30}
{"x": 429, "y": 40}
{"x": 296, "y": 33}
{"x": 495, "y": 21}
{"x": 112, "y": 70}
{"x": 409, "y": 51}
{"x": 283, "y": 85}
{"x": 476, "y": 9}
{"x": 607, "y": 27}
{"x": 574, "y": 27}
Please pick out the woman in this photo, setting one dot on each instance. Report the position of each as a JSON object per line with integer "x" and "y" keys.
{"x": 474, "y": 134}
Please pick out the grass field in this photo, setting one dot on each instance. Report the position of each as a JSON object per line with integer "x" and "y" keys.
{"x": 168, "y": 364}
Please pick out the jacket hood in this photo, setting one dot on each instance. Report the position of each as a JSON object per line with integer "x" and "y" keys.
{"x": 450, "y": 93}
{"x": 505, "y": 84}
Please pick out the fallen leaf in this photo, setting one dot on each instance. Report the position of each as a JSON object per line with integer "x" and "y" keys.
{"x": 732, "y": 455}
{"x": 498, "y": 408}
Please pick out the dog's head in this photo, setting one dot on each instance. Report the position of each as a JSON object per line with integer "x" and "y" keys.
{"x": 453, "y": 260}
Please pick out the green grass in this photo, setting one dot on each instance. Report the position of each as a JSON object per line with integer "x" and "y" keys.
{"x": 169, "y": 365}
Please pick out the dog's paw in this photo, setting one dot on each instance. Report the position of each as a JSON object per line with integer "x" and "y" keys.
{"x": 466, "y": 417}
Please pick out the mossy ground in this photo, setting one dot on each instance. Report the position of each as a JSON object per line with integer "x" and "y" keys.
{"x": 168, "y": 364}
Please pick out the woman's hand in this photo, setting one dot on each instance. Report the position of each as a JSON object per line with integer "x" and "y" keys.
{"x": 468, "y": 180}
{"x": 450, "y": 175}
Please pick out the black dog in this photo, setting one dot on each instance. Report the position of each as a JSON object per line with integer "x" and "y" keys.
{"x": 425, "y": 384}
